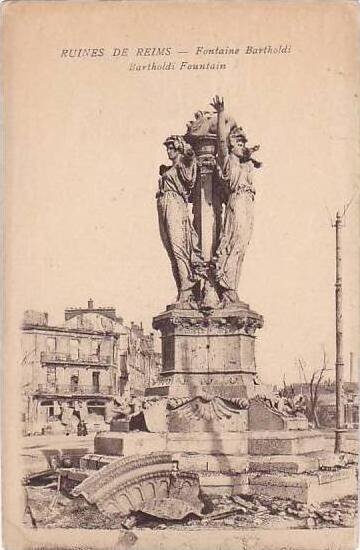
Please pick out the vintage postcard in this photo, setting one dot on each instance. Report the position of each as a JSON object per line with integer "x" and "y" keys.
{"x": 181, "y": 327}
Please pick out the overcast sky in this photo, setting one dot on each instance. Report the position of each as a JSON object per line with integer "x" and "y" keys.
{"x": 86, "y": 142}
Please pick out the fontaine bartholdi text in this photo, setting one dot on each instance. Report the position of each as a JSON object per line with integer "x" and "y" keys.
{"x": 214, "y": 52}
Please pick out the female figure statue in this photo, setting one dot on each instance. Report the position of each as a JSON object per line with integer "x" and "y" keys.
{"x": 235, "y": 168}
{"x": 176, "y": 229}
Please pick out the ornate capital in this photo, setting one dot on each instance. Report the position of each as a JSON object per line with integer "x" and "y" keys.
{"x": 244, "y": 322}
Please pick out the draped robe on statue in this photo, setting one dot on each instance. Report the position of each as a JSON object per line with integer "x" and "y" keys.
{"x": 236, "y": 178}
{"x": 176, "y": 229}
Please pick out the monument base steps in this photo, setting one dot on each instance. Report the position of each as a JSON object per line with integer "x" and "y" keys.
{"x": 226, "y": 443}
{"x": 306, "y": 488}
{"x": 281, "y": 465}
{"x": 125, "y": 444}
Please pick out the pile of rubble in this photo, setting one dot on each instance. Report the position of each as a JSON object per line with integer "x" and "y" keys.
{"x": 219, "y": 511}
{"x": 262, "y": 510}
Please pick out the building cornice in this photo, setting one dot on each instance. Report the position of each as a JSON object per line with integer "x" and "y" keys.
{"x": 26, "y": 327}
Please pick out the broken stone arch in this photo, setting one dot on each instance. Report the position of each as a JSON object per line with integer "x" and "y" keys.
{"x": 149, "y": 483}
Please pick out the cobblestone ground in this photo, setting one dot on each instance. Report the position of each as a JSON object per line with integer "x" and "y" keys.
{"x": 48, "y": 509}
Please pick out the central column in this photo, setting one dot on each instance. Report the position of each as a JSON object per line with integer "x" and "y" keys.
{"x": 206, "y": 205}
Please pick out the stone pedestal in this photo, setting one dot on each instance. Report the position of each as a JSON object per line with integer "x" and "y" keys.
{"x": 282, "y": 464}
{"x": 254, "y": 444}
{"x": 210, "y": 354}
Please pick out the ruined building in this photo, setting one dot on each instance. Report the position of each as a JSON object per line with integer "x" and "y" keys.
{"x": 75, "y": 370}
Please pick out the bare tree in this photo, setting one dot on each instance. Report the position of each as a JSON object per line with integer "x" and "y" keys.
{"x": 314, "y": 383}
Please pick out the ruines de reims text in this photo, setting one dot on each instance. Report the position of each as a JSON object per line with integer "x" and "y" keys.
{"x": 167, "y": 58}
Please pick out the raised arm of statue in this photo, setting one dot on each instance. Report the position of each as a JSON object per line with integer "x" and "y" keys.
{"x": 222, "y": 149}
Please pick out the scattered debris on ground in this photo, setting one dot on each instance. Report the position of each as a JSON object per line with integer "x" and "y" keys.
{"x": 220, "y": 511}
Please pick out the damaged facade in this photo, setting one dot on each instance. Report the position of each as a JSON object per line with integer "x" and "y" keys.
{"x": 75, "y": 370}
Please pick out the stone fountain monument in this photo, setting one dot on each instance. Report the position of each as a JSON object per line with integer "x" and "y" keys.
{"x": 208, "y": 423}
{"x": 205, "y": 208}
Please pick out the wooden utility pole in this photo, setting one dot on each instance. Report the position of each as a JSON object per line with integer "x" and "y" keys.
{"x": 351, "y": 365}
{"x": 339, "y": 363}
